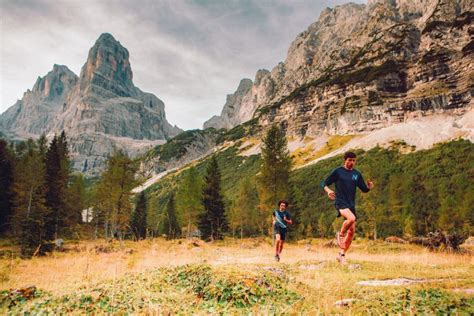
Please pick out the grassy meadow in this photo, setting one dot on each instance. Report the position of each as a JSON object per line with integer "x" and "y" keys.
{"x": 237, "y": 276}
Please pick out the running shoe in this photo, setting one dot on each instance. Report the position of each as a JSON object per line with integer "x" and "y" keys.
{"x": 341, "y": 258}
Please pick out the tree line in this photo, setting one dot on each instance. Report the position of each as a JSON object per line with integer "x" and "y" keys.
{"x": 41, "y": 199}
{"x": 416, "y": 192}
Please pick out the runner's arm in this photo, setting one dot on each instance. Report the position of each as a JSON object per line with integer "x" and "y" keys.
{"x": 326, "y": 183}
{"x": 363, "y": 186}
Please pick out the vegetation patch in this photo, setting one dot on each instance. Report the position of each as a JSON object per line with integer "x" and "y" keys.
{"x": 229, "y": 161}
{"x": 178, "y": 146}
{"x": 334, "y": 142}
{"x": 429, "y": 89}
{"x": 303, "y": 155}
{"x": 418, "y": 302}
{"x": 249, "y": 128}
{"x": 418, "y": 193}
{"x": 306, "y": 154}
{"x": 188, "y": 288}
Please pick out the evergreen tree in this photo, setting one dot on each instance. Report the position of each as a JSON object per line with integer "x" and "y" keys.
{"x": 154, "y": 216}
{"x": 170, "y": 222}
{"x": 30, "y": 208}
{"x": 139, "y": 217}
{"x": 309, "y": 231}
{"x": 54, "y": 189}
{"x": 189, "y": 199}
{"x": 113, "y": 204}
{"x": 76, "y": 200}
{"x": 273, "y": 180}
{"x": 212, "y": 222}
{"x": 467, "y": 210}
{"x": 243, "y": 213}
{"x": 57, "y": 180}
{"x": 6, "y": 186}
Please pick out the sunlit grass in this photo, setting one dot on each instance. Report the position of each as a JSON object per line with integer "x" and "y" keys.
{"x": 308, "y": 153}
{"x": 309, "y": 268}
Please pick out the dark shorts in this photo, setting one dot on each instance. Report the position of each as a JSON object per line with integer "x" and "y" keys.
{"x": 281, "y": 231}
{"x": 341, "y": 207}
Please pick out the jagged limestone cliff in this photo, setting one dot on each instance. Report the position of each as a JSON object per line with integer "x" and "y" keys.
{"x": 365, "y": 67}
{"x": 100, "y": 111}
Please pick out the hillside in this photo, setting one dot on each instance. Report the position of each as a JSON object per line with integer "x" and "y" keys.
{"x": 417, "y": 191}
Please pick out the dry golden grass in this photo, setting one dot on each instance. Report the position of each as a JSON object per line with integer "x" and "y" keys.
{"x": 308, "y": 153}
{"x": 63, "y": 272}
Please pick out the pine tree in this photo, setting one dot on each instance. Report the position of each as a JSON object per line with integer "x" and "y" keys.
{"x": 139, "y": 217}
{"x": 170, "y": 222}
{"x": 212, "y": 222}
{"x": 309, "y": 231}
{"x": 273, "y": 180}
{"x": 243, "y": 214}
{"x": 154, "y": 217}
{"x": 76, "y": 200}
{"x": 54, "y": 192}
{"x": 189, "y": 199}
{"x": 30, "y": 208}
{"x": 57, "y": 180}
{"x": 112, "y": 193}
{"x": 6, "y": 186}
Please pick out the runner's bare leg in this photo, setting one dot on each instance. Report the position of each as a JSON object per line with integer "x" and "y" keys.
{"x": 277, "y": 244}
{"x": 350, "y": 219}
{"x": 348, "y": 226}
{"x": 349, "y": 237}
{"x": 281, "y": 246}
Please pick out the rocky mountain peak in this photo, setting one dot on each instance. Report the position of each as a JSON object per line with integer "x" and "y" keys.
{"x": 261, "y": 73}
{"x": 231, "y": 107}
{"x": 101, "y": 111}
{"x": 244, "y": 86}
{"x": 56, "y": 83}
{"x": 108, "y": 68}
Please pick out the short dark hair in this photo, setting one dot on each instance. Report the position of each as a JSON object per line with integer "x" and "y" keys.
{"x": 283, "y": 201}
{"x": 349, "y": 154}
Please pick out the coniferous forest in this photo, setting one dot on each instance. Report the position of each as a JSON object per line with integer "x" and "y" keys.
{"x": 229, "y": 195}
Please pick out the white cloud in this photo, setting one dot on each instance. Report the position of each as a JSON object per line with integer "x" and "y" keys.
{"x": 191, "y": 54}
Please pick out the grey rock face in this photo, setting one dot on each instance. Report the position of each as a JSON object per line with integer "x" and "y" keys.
{"x": 363, "y": 67}
{"x": 107, "y": 70}
{"x": 232, "y": 107}
{"x": 33, "y": 114}
{"x": 100, "y": 111}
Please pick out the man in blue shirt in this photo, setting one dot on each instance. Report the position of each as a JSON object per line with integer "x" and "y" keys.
{"x": 281, "y": 219}
{"x": 347, "y": 179}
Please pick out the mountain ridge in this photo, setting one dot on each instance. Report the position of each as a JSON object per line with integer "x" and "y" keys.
{"x": 353, "y": 61}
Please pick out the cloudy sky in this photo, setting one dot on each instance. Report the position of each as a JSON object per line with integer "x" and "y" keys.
{"x": 190, "y": 54}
